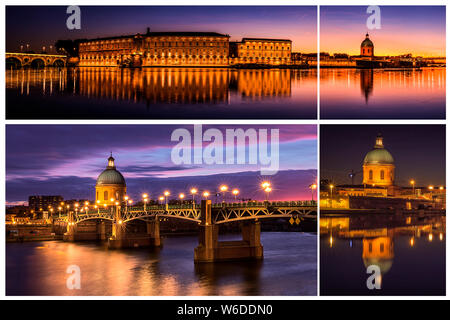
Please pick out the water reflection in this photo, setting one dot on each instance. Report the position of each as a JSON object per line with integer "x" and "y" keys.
{"x": 401, "y": 93}
{"x": 170, "y": 86}
{"x": 289, "y": 268}
{"x": 409, "y": 251}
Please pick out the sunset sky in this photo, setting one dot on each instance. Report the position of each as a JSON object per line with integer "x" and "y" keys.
{"x": 67, "y": 159}
{"x": 419, "y": 30}
{"x": 298, "y": 24}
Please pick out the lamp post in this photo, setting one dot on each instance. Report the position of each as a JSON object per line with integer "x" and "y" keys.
{"x": 267, "y": 191}
{"x": 331, "y": 195}
{"x": 145, "y": 198}
{"x": 206, "y": 195}
{"x": 223, "y": 190}
{"x": 161, "y": 199}
{"x": 267, "y": 188}
{"x": 313, "y": 187}
{"x": 412, "y": 182}
{"x": 193, "y": 192}
{"x": 235, "y": 193}
{"x": 126, "y": 203}
{"x": 166, "y": 194}
{"x": 181, "y": 196}
{"x": 59, "y": 211}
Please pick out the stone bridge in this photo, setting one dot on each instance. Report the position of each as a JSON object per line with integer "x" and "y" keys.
{"x": 34, "y": 60}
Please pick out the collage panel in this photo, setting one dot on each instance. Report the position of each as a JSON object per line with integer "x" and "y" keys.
{"x": 161, "y": 62}
{"x": 382, "y": 62}
{"x": 382, "y": 210}
{"x": 161, "y": 210}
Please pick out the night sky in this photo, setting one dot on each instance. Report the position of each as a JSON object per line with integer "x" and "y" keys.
{"x": 43, "y": 25}
{"x": 419, "y": 30}
{"x": 66, "y": 160}
{"x": 418, "y": 151}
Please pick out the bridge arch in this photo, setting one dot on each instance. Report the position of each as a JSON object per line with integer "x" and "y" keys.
{"x": 59, "y": 63}
{"x": 37, "y": 63}
{"x": 13, "y": 63}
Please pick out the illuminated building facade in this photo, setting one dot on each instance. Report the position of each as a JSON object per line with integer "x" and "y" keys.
{"x": 110, "y": 184}
{"x": 157, "y": 49}
{"x": 261, "y": 51}
{"x": 39, "y": 203}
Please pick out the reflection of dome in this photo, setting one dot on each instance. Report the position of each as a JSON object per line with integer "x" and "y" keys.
{"x": 367, "y": 42}
{"x": 384, "y": 264}
{"x": 378, "y": 155}
{"x": 110, "y": 176}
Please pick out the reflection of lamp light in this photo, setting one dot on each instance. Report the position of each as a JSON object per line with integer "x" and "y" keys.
{"x": 430, "y": 237}
{"x": 411, "y": 241}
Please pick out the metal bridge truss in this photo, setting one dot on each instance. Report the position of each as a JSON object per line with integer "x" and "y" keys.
{"x": 220, "y": 214}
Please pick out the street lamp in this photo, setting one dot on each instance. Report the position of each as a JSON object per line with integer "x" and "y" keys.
{"x": 161, "y": 199}
{"x": 313, "y": 187}
{"x": 331, "y": 195}
{"x": 206, "y": 195}
{"x": 193, "y": 192}
{"x": 235, "y": 192}
{"x": 59, "y": 211}
{"x": 181, "y": 196}
{"x": 223, "y": 189}
{"x": 145, "y": 198}
{"x": 267, "y": 191}
{"x": 166, "y": 194}
{"x": 412, "y": 182}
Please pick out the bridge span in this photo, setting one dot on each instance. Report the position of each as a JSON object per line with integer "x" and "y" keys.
{"x": 208, "y": 216}
{"x": 38, "y": 60}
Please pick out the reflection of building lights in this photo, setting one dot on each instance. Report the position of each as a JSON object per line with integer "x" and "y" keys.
{"x": 430, "y": 237}
{"x": 441, "y": 236}
{"x": 331, "y": 241}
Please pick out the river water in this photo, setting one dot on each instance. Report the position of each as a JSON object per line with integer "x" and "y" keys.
{"x": 382, "y": 94}
{"x": 408, "y": 250}
{"x": 161, "y": 93}
{"x": 289, "y": 267}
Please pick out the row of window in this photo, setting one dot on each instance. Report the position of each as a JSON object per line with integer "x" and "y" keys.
{"x": 265, "y": 47}
{"x": 371, "y": 175}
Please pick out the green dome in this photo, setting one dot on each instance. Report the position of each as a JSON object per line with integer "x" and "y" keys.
{"x": 110, "y": 176}
{"x": 367, "y": 42}
{"x": 378, "y": 156}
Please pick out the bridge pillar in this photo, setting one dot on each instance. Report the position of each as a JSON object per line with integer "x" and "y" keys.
{"x": 251, "y": 234}
{"x": 69, "y": 235}
{"x": 118, "y": 231}
{"x": 211, "y": 250}
{"x": 208, "y": 235}
{"x": 101, "y": 230}
{"x": 153, "y": 232}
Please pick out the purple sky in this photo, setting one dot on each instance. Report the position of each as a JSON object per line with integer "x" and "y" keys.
{"x": 298, "y": 23}
{"x": 66, "y": 160}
